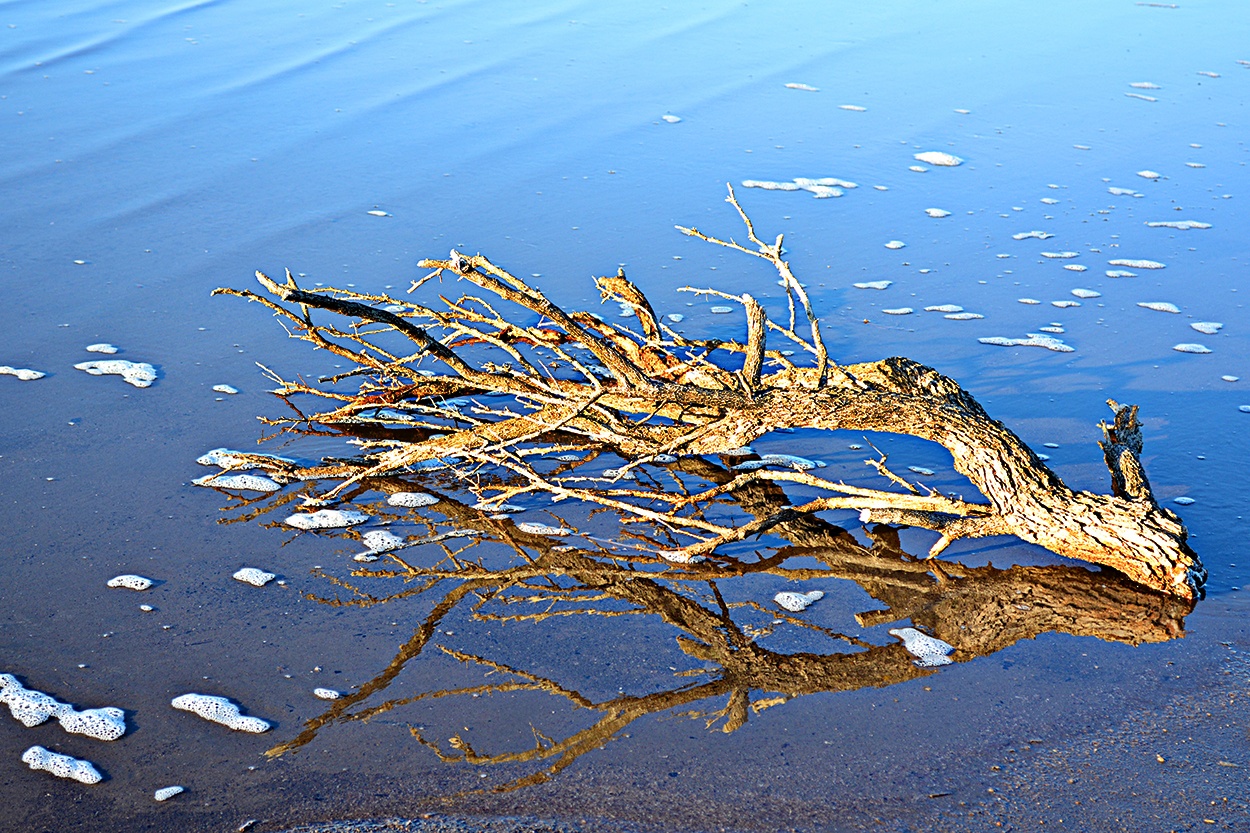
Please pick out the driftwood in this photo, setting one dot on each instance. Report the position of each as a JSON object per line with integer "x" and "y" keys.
{"x": 536, "y": 375}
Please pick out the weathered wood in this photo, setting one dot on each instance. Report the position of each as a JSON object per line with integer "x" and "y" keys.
{"x": 659, "y": 393}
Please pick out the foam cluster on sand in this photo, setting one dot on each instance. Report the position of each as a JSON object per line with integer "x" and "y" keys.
{"x": 253, "y": 576}
{"x": 31, "y": 708}
{"x": 928, "y": 651}
{"x": 130, "y": 582}
{"x": 62, "y": 766}
{"x": 139, "y": 374}
{"x": 219, "y": 710}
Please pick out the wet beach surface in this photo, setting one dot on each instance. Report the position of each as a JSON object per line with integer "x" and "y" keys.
{"x": 156, "y": 151}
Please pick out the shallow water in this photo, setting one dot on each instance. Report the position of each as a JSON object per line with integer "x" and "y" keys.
{"x": 175, "y": 148}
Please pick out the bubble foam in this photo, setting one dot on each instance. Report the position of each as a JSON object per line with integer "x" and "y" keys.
{"x": 139, "y": 374}
{"x": 219, "y": 710}
{"x": 62, "y": 766}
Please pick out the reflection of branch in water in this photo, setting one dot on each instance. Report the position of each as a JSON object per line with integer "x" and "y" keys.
{"x": 978, "y": 610}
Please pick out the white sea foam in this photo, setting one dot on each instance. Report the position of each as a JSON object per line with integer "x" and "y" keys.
{"x": 31, "y": 708}
{"x": 1075, "y": 267}
{"x": 963, "y": 316}
{"x": 1182, "y": 225}
{"x": 769, "y": 185}
{"x": 788, "y": 461}
{"x": 1137, "y": 264}
{"x": 219, "y": 710}
{"x": 101, "y": 348}
{"x": 411, "y": 500}
{"x": 944, "y": 308}
{"x": 937, "y": 212}
{"x": 1086, "y": 293}
{"x": 130, "y": 582}
{"x": 928, "y": 651}
{"x": 721, "y": 310}
{"x": 1191, "y": 348}
{"x": 921, "y": 470}
{"x": 1142, "y": 97}
{"x": 854, "y": 108}
{"x": 62, "y": 766}
{"x": 377, "y": 212}
{"x": 798, "y": 602}
{"x": 899, "y": 311}
{"x": 1030, "y": 301}
{"x": 1149, "y": 174}
{"x": 873, "y": 284}
{"x": 543, "y": 529}
{"x": 895, "y": 244}
{"x": 671, "y": 119}
{"x": 253, "y": 576}
{"x": 1065, "y": 304}
{"x": 1033, "y": 340}
{"x": 1035, "y": 235}
{"x": 327, "y": 694}
{"x": 139, "y": 374}
{"x": 1122, "y": 192}
{"x": 25, "y": 374}
{"x": 806, "y": 87}
{"x": 226, "y": 458}
{"x": 939, "y": 158}
{"x": 1209, "y": 328}
{"x": 1159, "y": 306}
{"x": 1144, "y": 85}
{"x": 166, "y": 793}
{"x": 227, "y": 389}
{"x": 1120, "y": 273}
{"x": 1061, "y": 255}
{"x": 326, "y": 519}
{"x": 381, "y": 540}
{"x": 238, "y": 482}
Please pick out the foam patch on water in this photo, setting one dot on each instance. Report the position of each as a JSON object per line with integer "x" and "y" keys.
{"x": 1209, "y": 328}
{"x": 253, "y": 576}
{"x": 1149, "y": 174}
{"x": 326, "y": 519}
{"x": 928, "y": 651}
{"x": 895, "y": 244}
{"x": 938, "y": 158}
{"x": 31, "y": 708}
{"x": 785, "y": 460}
{"x": 381, "y": 540}
{"x": 1120, "y": 273}
{"x": 937, "y": 212}
{"x": 1182, "y": 225}
{"x": 721, "y": 310}
{"x": 873, "y": 284}
{"x": 130, "y": 582}
{"x": 1030, "y": 301}
{"x": 327, "y": 693}
{"x": 964, "y": 316}
{"x": 227, "y": 389}
{"x": 769, "y": 185}
{"x": 238, "y": 482}
{"x": 899, "y": 311}
{"x": 805, "y": 87}
{"x": 101, "y": 348}
{"x": 543, "y": 529}
{"x": 947, "y": 308}
{"x": 139, "y": 374}
{"x": 25, "y": 374}
{"x": 226, "y": 458}
{"x": 1137, "y": 264}
{"x": 219, "y": 710}
{"x": 62, "y": 766}
{"x": 1034, "y": 340}
{"x": 854, "y": 108}
{"x": 411, "y": 500}
{"x": 166, "y": 793}
{"x": 921, "y": 470}
{"x": 1086, "y": 293}
{"x": 1191, "y": 348}
{"x": 798, "y": 602}
{"x": 671, "y": 119}
{"x": 1032, "y": 235}
{"x": 1075, "y": 267}
{"x": 1159, "y": 306}
{"x": 1061, "y": 255}
{"x": 1065, "y": 304}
